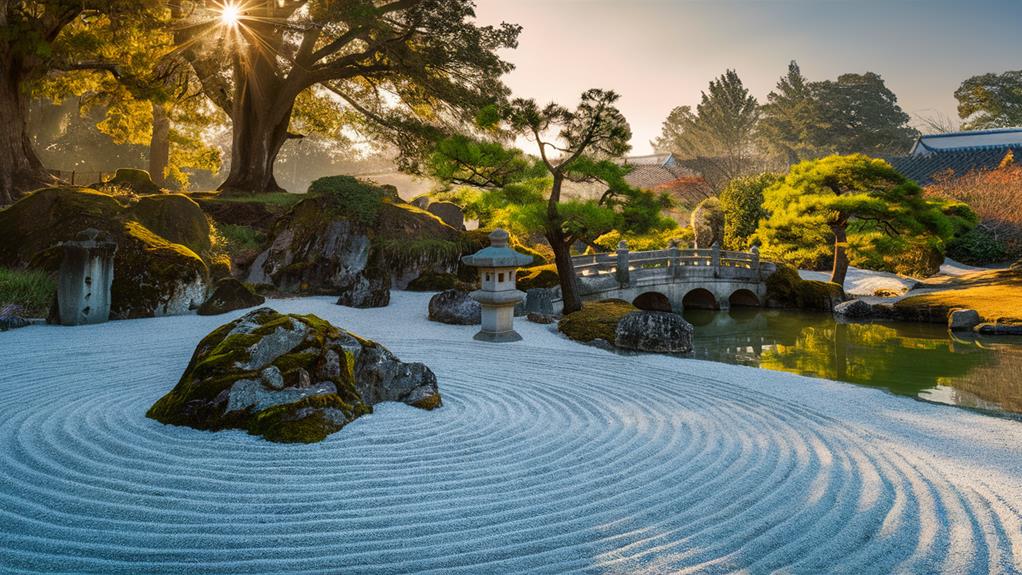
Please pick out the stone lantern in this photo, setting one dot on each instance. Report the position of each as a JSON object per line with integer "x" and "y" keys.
{"x": 498, "y": 295}
{"x": 86, "y": 275}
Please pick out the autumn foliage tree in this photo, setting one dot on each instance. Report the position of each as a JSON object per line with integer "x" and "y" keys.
{"x": 853, "y": 205}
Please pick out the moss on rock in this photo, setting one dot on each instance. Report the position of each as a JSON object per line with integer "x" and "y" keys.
{"x": 289, "y": 378}
{"x": 159, "y": 267}
{"x": 787, "y": 290}
{"x": 596, "y": 320}
{"x": 544, "y": 276}
{"x": 131, "y": 179}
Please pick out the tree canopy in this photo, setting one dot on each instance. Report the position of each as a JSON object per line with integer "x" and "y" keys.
{"x": 991, "y": 101}
{"x": 720, "y": 130}
{"x": 853, "y": 203}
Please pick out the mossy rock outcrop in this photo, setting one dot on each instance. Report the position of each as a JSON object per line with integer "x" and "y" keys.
{"x": 355, "y": 240}
{"x": 596, "y": 320}
{"x": 544, "y": 276}
{"x": 131, "y": 179}
{"x": 786, "y": 289}
{"x": 159, "y": 268}
{"x": 228, "y": 295}
{"x": 289, "y": 378}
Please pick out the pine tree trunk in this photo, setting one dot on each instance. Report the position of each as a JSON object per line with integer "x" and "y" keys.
{"x": 159, "y": 145}
{"x": 20, "y": 168}
{"x": 261, "y": 116}
{"x": 840, "y": 269}
{"x": 570, "y": 298}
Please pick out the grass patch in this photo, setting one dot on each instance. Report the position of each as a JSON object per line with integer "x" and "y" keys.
{"x": 33, "y": 290}
{"x": 596, "y": 320}
{"x": 995, "y": 295}
{"x": 280, "y": 199}
{"x": 240, "y": 239}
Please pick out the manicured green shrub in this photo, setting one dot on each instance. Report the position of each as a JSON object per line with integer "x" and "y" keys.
{"x": 977, "y": 247}
{"x": 431, "y": 281}
{"x": 708, "y": 223}
{"x": 537, "y": 277}
{"x": 357, "y": 199}
{"x": 742, "y": 204}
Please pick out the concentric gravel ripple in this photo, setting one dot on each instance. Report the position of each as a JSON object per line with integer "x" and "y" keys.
{"x": 539, "y": 461}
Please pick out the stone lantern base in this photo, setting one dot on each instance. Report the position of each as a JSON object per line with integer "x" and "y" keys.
{"x": 498, "y": 322}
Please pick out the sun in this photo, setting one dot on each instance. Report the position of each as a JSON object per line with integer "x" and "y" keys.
{"x": 230, "y": 14}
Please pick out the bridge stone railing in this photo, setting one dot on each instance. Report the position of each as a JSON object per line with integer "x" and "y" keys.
{"x": 675, "y": 262}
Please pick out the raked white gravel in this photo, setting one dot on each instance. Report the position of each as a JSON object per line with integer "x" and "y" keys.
{"x": 547, "y": 457}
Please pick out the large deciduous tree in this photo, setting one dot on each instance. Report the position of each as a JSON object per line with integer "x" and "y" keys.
{"x": 852, "y": 201}
{"x": 405, "y": 69}
{"x": 30, "y": 48}
{"x": 860, "y": 115}
{"x": 719, "y": 132}
{"x": 855, "y": 114}
{"x": 991, "y": 101}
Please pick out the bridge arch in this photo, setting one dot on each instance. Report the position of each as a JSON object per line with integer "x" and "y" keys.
{"x": 743, "y": 298}
{"x": 700, "y": 298}
{"x": 652, "y": 301}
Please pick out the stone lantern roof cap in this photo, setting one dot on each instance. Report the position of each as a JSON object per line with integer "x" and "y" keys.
{"x": 498, "y": 254}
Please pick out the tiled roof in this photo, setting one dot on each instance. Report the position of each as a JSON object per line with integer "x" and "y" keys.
{"x": 684, "y": 185}
{"x": 996, "y": 139}
{"x": 923, "y": 169}
{"x": 650, "y": 159}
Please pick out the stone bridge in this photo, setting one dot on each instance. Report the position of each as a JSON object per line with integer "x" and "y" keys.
{"x": 674, "y": 278}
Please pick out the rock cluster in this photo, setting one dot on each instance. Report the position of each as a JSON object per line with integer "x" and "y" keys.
{"x": 289, "y": 378}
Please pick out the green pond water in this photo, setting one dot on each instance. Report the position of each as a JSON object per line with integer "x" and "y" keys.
{"x": 913, "y": 359}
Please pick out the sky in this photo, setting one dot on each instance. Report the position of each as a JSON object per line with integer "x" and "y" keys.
{"x": 659, "y": 54}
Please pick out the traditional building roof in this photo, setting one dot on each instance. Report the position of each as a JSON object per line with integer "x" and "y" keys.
{"x": 924, "y": 169}
{"x": 975, "y": 140}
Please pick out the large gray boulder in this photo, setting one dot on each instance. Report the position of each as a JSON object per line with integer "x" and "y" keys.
{"x": 289, "y": 378}
{"x": 855, "y": 308}
{"x": 539, "y": 300}
{"x": 455, "y": 307}
{"x": 655, "y": 331}
{"x": 450, "y": 214}
{"x": 963, "y": 320}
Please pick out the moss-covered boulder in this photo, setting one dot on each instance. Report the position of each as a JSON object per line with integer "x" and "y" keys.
{"x": 596, "y": 320}
{"x": 163, "y": 244}
{"x": 544, "y": 276}
{"x": 786, "y": 289}
{"x": 289, "y": 378}
{"x": 355, "y": 240}
{"x": 133, "y": 180}
{"x": 228, "y": 295}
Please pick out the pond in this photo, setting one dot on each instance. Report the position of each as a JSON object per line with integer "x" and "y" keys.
{"x": 914, "y": 359}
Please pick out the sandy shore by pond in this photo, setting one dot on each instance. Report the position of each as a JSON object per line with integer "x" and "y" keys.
{"x": 547, "y": 457}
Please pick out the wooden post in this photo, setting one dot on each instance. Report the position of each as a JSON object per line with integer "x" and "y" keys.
{"x": 622, "y": 263}
{"x": 715, "y": 253}
{"x": 674, "y": 260}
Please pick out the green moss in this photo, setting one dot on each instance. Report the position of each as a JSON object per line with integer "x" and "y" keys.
{"x": 596, "y": 320}
{"x": 428, "y": 403}
{"x": 404, "y": 254}
{"x": 786, "y": 289}
{"x": 175, "y": 218}
{"x": 281, "y": 423}
{"x": 537, "y": 277}
{"x": 134, "y": 180}
{"x": 32, "y": 290}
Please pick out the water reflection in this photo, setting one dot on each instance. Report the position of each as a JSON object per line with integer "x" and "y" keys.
{"x": 920, "y": 360}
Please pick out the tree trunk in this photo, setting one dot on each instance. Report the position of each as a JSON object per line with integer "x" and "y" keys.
{"x": 570, "y": 298}
{"x": 840, "y": 269}
{"x": 159, "y": 145}
{"x": 260, "y": 116}
{"x": 20, "y": 168}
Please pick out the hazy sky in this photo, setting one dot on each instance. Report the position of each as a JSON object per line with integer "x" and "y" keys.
{"x": 659, "y": 54}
